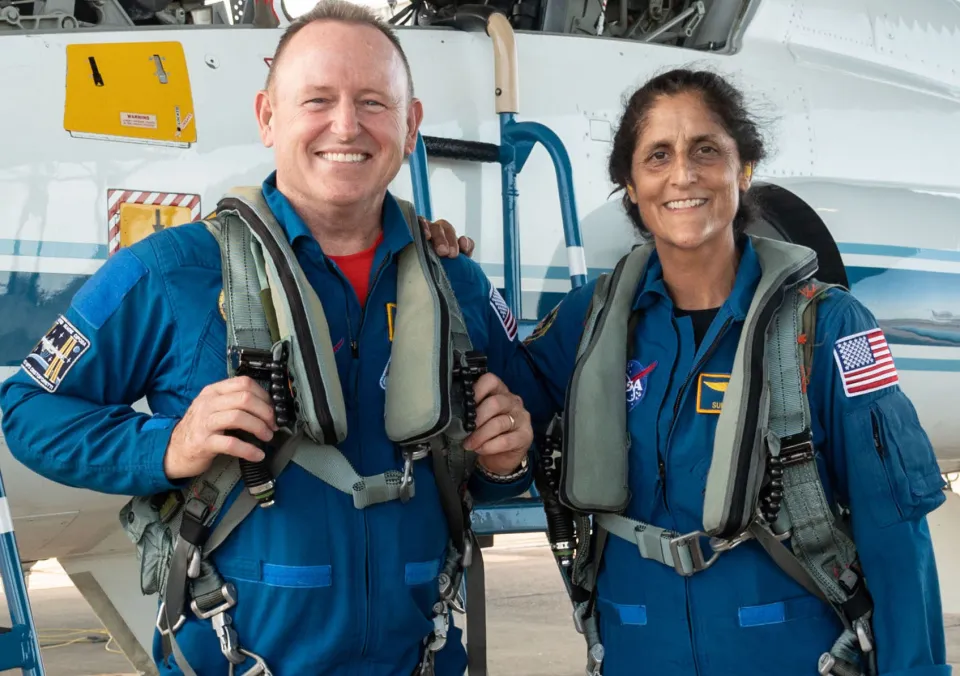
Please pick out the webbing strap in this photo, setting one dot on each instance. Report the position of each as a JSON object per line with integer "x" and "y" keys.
{"x": 821, "y": 547}
{"x": 655, "y": 543}
{"x": 789, "y": 410}
{"x": 477, "y": 615}
{"x": 245, "y": 502}
{"x": 246, "y": 321}
{"x": 329, "y": 465}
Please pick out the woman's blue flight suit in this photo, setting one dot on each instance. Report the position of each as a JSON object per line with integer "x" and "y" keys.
{"x": 744, "y": 615}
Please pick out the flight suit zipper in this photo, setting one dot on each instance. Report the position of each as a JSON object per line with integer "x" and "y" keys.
{"x": 355, "y": 350}
{"x": 676, "y": 410}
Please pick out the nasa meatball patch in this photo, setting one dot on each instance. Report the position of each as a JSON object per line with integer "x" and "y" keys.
{"x": 55, "y": 354}
{"x": 637, "y": 377}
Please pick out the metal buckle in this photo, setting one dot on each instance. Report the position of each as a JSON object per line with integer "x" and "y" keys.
{"x": 832, "y": 666}
{"x": 439, "y": 637}
{"x": 229, "y": 593}
{"x": 258, "y": 669}
{"x": 176, "y": 627}
{"x": 863, "y": 634}
{"x": 229, "y": 643}
{"x": 594, "y": 660}
{"x": 411, "y": 455}
{"x": 697, "y": 559}
{"x": 193, "y": 567}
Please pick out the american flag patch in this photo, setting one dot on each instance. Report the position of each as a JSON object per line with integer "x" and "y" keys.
{"x": 865, "y": 362}
{"x": 503, "y": 313}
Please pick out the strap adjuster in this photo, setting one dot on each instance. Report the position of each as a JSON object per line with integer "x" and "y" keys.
{"x": 796, "y": 448}
{"x": 694, "y": 555}
{"x": 164, "y": 630}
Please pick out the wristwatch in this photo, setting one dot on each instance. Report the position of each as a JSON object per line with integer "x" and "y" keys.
{"x": 506, "y": 478}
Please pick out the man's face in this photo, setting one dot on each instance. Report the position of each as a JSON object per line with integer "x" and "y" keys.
{"x": 338, "y": 115}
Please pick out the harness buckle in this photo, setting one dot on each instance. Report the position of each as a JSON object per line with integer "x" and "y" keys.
{"x": 691, "y": 545}
{"x": 160, "y": 617}
{"x": 260, "y": 667}
{"x": 229, "y": 643}
{"x": 193, "y": 567}
{"x": 411, "y": 455}
{"x": 594, "y": 660}
{"x": 439, "y": 636}
{"x": 863, "y": 634}
{"x": 833, "y": 666}
{"x": 229, "y": 593}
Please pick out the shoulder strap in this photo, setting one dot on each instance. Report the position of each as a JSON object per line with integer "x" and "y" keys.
{"x": 821, "y": 557}
{"x": 736, "y": 467}
{"x": 589, "y": 483}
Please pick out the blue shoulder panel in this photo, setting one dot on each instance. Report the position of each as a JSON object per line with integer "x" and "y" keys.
{"x": 100, "y": 297}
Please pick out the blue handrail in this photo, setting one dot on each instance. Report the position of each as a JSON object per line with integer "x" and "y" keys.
{"x": 19, "y": 647}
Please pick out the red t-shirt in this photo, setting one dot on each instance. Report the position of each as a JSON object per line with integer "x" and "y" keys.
{"x": 356, "y": 268}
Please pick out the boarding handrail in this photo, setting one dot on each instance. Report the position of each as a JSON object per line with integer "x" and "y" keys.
{"x": 19, "y": 644}
{"x": 517, "y": 142}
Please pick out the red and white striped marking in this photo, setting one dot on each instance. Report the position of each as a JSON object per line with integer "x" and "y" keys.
{"x": 162, "y": 199}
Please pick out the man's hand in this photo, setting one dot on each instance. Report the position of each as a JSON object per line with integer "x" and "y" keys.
{"x": 231, "y": 404}
{"x": 503, "y": 434}
{"x": 444, "y": 238}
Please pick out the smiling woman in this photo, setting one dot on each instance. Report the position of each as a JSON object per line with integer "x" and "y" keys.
{"x": 743, "y": 410}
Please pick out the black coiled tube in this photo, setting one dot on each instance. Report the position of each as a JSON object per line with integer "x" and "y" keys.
{"x": 560, "y": 527}
{"x": 771, "y": 497}
{"x": 467, "y": 372}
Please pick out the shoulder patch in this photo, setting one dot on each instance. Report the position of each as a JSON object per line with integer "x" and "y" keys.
{"x": 100, "y": 297}
{"x": 543, "y": 325}
{"x": 865, "y": 362}
{"x": 507, "y": 320}
{"x": 56, "y": 353}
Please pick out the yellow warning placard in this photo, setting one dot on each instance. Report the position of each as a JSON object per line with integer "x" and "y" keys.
{"x": 135, "y": 214}
{"x": 130, "y": 91}
{"x": 139, "y": 220}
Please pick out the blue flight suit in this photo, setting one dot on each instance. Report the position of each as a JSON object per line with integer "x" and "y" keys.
{"x": 322, "y": 587}
{"x": 744, "y": 615}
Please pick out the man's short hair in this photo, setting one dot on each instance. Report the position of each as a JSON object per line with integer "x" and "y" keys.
{"x": 342, "y": 11}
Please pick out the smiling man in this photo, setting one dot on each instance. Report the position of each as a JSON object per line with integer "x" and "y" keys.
{"x": 341, "y": 574}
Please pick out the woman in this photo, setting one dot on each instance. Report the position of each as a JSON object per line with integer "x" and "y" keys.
{"x": 683, "y": 155}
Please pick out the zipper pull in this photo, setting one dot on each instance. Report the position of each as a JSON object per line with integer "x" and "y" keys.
{"x": 354, "y": 349}
{"x": 876, "y": 435}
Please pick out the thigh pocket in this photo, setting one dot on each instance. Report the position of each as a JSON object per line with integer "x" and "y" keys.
{"x": 903, "y": 480}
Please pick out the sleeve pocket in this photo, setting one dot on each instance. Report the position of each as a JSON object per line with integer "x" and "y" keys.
{"x": 893, "y": 461}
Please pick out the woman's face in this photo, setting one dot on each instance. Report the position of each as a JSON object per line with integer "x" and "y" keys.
{"x": 686, "y": 174}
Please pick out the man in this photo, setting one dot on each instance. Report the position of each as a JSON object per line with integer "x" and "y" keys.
{"x": 321, "y": 586}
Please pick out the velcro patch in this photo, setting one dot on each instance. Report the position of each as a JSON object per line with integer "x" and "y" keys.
{"x": 865, "y": 362}
{"x": 710, "y": 390}
{"x": 507, "y": 320}
{"x": 56, "y": 353}
{"x": 102, "y": 294}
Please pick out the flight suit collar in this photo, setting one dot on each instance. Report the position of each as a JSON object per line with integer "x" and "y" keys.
{"x": 651, "y": 287}
{"x": 396, "y": 233}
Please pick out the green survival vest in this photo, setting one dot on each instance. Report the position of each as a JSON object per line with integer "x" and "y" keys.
{"x": 763, "y": 482}
{"x": 277, "y": 334}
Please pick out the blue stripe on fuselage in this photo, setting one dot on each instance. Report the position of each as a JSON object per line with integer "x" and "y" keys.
{"x": 903, "y": 300}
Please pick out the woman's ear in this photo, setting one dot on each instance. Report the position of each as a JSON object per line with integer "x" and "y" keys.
{"x": 746, "y": 177}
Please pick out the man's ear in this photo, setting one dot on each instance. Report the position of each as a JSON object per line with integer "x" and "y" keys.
{"x": 414, "y": 118}
{"x": 264, "y": 110}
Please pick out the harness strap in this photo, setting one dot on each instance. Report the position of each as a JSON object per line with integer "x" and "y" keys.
{"x": 680, "y": 552}
{"x": 329, "y": 465}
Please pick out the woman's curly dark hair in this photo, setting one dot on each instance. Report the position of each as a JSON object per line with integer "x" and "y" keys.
{"x": 722, "y": 98}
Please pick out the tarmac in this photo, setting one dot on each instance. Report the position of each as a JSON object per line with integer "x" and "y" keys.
{"x": 529, "y": 631}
